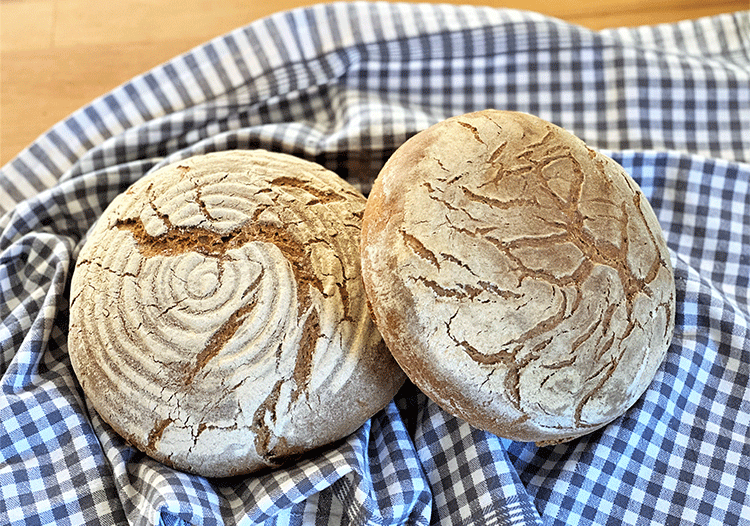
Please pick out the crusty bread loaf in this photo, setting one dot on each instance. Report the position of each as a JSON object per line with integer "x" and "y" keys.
{"x": 218, "y": 320}
{"x": 520, "y": 278}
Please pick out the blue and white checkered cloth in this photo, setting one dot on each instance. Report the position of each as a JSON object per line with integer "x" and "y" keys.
{"x": 344, "y": 84}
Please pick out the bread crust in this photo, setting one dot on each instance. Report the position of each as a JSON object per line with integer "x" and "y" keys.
{"x": 218, "y": 320}
{"x": 520, "y": 278}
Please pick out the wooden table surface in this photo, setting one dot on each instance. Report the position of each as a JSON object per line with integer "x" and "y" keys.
{"x": 58, "y": 55}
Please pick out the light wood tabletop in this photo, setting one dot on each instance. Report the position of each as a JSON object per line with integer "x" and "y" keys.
{"x": 59, "y": 55}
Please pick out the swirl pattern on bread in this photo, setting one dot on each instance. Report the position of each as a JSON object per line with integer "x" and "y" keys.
{"x": 218, "y": 320}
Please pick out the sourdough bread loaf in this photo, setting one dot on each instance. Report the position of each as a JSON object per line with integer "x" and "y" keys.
{"x": 520, "y": 278}
{"x": 218, "y": 320}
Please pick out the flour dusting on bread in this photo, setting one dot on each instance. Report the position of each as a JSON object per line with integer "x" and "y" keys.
{"x": 520, "y": 278}
{"x": 218, "y": 318}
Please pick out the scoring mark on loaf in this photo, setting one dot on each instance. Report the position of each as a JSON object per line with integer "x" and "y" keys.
{"x": 225, "y": 332}
{"x": 155, "y": 435}
{"x": 209, "y": 243}
{"x": 264, "y": 420}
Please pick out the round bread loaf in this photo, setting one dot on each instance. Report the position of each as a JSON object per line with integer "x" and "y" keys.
{"x": 520, "y": 279}
{"x": 218, "y": 320}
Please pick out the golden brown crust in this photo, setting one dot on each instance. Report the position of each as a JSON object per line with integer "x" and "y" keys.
{"x": 218, "y": 319}
{"x": 518, "y": 277}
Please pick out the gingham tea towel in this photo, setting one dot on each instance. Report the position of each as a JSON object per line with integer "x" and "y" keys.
{"x": 344, "y": 84}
